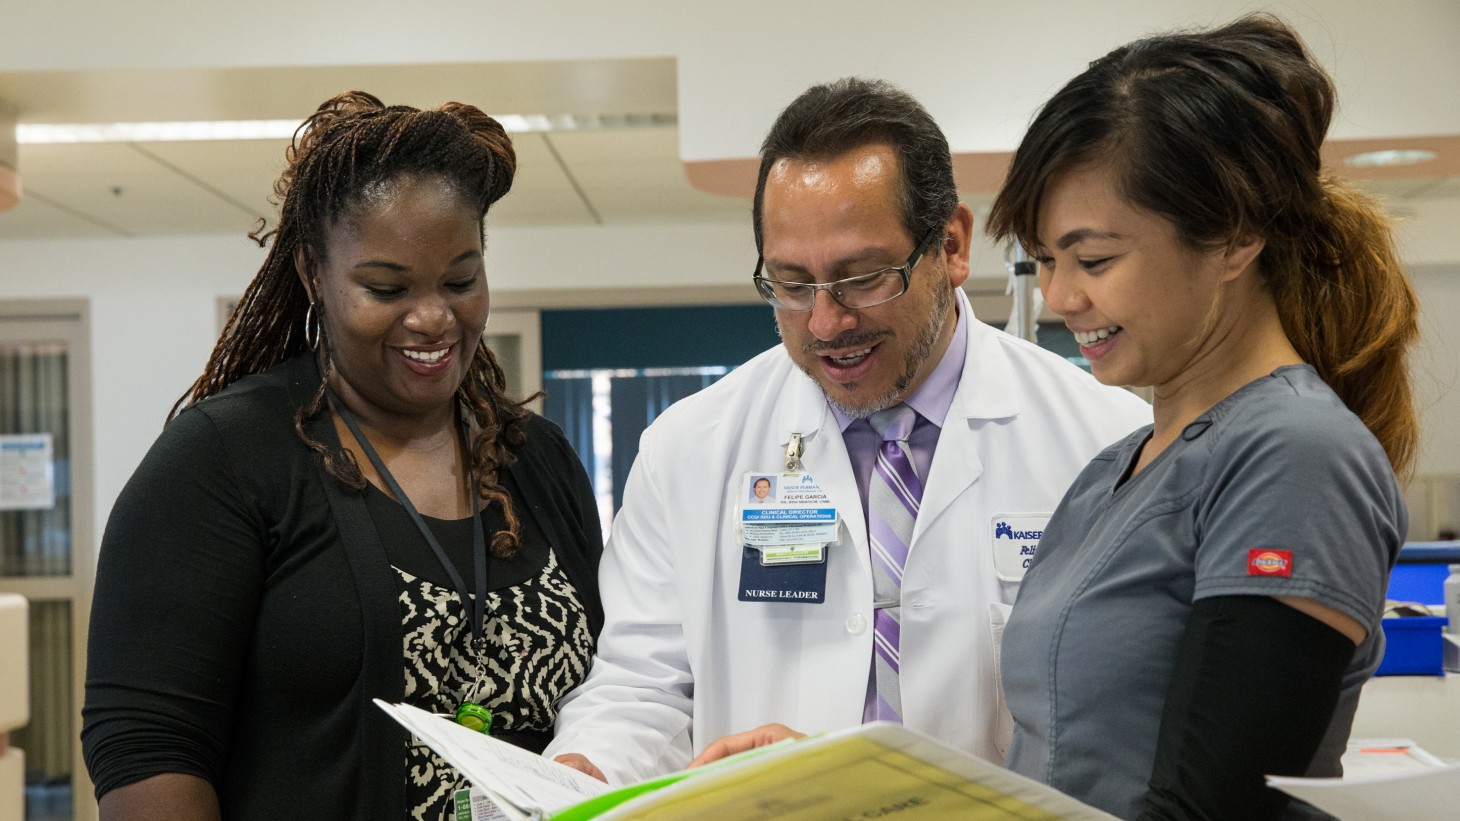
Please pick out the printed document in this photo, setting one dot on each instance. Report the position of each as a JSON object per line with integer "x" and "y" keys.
{"x": 874, "y": 770}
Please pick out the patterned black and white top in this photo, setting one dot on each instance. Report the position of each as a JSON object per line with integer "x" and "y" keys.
{"x": 539, "y": 645}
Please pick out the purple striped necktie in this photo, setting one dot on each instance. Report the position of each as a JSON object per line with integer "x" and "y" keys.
{"x": 893, "y": 496}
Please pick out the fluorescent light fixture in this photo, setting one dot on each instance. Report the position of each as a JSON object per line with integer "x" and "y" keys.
{"x": 1389, "y": 157}
{"x": 51, "y": 134}
{"x": 43, "y": 134}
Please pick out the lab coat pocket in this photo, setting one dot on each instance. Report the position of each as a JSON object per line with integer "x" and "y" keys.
{"x": 1003, "y": 721}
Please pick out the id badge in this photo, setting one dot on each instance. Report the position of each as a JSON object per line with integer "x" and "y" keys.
{"x": 786, "y": 522}
{"x": 781, "y": 509}
{"x": 474, "y": 805}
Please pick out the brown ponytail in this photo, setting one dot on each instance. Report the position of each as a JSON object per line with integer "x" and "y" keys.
{"x": 1350, "y": 312}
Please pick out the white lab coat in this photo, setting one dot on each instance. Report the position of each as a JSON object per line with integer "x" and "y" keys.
{"x": 681, "y": 661}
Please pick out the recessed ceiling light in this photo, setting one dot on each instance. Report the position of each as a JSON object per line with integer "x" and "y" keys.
{"x": 50, "y": 134}
{"x": 1389, "y": 157}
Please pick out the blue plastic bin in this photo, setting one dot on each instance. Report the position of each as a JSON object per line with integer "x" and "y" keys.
{"x": 1413, "y": 646}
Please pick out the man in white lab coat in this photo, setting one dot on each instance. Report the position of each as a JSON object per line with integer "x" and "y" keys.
{"x": 864, "y": 246}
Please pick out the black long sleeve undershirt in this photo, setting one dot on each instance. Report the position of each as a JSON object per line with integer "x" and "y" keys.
{"x": 1254, "y": 691}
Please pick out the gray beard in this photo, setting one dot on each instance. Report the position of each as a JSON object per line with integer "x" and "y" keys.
{"x": 917, "y": 354}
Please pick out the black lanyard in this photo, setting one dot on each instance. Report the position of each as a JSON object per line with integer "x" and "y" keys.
{"x": 478, "y": 536}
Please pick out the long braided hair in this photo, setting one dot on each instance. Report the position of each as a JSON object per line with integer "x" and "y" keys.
{"x": 353, "y": 144}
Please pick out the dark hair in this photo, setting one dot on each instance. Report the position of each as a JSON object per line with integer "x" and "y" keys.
{"x": 1219, "y": 131}
{"x": 829, "y": 120}
{"x": 351, "y": 145}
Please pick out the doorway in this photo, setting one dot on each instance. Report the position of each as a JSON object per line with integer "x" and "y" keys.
{"x": 47, "y": 549}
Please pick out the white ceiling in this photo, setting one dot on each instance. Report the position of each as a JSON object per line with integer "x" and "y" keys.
{"x": 622, "y": 176}
{"x": 140, "y": 189}
{"x": 603, "y": 176}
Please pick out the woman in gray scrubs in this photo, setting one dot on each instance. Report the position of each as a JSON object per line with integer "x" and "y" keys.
{"x": 1205, "y": 604}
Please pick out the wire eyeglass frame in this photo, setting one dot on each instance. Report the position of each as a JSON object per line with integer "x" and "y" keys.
{"x": 839, "y": 290}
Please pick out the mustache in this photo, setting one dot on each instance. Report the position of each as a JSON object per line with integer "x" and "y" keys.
{"x": 851, "y": 339}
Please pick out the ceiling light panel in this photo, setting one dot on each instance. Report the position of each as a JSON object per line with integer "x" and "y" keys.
{"x": 48, "y": 134}
{"x": 200, "y": 130}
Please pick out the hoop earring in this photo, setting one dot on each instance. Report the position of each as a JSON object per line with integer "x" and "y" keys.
{"x": 311, "y": 319}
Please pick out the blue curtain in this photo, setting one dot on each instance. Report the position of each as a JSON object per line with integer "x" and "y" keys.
{"x": 569, "y": 402}
{"x": 578, "y": 341}
{"x": 637, "y": 401}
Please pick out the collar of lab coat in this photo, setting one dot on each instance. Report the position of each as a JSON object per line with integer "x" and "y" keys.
{"x": 986, "y": 388}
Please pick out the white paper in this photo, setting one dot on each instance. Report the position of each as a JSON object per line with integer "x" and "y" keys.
{"x": 483, "y": 808}
{"x": 524, "y": 784}
{"x": 27, "y": 472}
{"x": 1404, "y": 786}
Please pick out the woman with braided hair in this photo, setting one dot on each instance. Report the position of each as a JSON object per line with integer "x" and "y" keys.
{"x": 344, "y": 506}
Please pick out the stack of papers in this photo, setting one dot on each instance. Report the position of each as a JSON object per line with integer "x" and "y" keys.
{"x": 870, "y": 771}
{"x": 1384, "y": 778}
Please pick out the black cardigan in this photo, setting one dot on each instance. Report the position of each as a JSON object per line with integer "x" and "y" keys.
{"x": 245, "y": 612}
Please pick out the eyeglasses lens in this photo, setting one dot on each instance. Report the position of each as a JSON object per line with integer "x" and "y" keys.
{"x": 854, "y": 292}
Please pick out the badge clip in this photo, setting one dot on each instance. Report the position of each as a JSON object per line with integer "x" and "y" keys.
{"x": 793, "y": 454}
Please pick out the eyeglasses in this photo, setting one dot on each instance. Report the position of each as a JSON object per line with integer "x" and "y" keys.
{"x": 861, "y": 291}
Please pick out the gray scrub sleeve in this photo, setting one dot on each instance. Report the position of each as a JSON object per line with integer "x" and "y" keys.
{"x": 1290, "y": 509}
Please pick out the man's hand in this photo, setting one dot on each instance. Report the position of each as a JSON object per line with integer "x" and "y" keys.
{"x": 762, "y": 736}
{"x": 581, "y": 764}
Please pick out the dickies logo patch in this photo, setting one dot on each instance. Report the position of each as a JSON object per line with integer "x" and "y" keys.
{"x": 1263, "y": 561}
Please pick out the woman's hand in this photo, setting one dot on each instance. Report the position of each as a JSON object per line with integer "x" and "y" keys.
{"x": 761, "y": 736}
{"x": 581, "y": 764}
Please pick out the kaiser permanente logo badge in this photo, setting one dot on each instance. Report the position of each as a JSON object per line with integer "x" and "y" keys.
{"x": 1015, "y": 540}
{"x": 1263, "y": 561}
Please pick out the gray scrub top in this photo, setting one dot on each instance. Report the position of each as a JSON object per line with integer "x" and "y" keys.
{"x": 1088, "y": 653}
